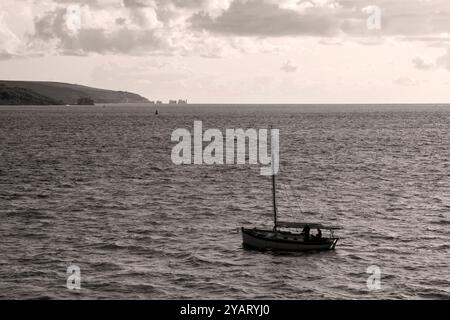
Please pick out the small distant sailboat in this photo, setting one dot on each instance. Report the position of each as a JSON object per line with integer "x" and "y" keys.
{"x": 286, "y": 236}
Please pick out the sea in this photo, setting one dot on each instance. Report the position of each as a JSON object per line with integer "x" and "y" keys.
{"x": 94, "y": 189}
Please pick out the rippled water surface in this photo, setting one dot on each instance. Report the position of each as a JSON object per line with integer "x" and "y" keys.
{"x": 95, "y": 187}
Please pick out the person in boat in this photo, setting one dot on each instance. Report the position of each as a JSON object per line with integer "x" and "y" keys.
{"x": 319, "y": 234}
{"x": 305, "y": 232}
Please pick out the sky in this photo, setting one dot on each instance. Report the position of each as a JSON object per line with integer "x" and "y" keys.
{"x": 235, "y": 51}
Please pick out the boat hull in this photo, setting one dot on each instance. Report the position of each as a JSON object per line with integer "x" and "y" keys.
{"x": 270, "y": 240}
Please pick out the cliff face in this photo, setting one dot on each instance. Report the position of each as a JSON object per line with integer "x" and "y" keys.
{"x": 60, "y": 93}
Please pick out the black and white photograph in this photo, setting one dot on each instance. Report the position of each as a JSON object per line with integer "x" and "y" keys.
{"x": 224, "y": 150}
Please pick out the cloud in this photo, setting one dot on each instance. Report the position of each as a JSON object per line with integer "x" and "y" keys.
{"x": 421, "y": 64}
{"x": 99, "y": 31}
{"x": 201, "y": 27}
{"x": 407, "y": 82}
{"x": 5, "y": 55}
{"x": 10, "y": 42}
{"x": 325, "y": 18}
{"x": 441, "y": 62}
{"x": 261, "y": 18}
{"x": 289, "y": 67}
{"x": 444, "y": 61}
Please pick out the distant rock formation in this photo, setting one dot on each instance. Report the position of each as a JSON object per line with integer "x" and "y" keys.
{"x": 57, "y": 93}
{"x": 180, "y": 101}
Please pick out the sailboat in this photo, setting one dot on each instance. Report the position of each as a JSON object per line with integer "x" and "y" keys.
{"x": 289, "y": 236}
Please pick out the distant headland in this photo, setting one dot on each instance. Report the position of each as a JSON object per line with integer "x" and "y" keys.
{"x": 58, "y": 93}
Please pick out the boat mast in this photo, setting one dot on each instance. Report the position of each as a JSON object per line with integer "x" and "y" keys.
{"x": 274, "y": 203}
{"x": 274, "y": 199}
